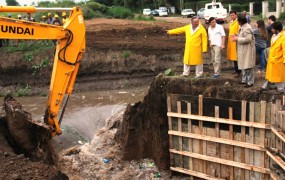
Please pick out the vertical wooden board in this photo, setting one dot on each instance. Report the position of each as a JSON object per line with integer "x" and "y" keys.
{"x": 237, "y": 157}
{"x": 218, "y": 146}
{"x": 268, "y": 113}
{"x": 225, "y": 154}
{"x": 185, "y": 144}
{"x": 170, "y": 128}
{"x": 190, "y": 140}
{"x": 212, "y": 168}
{"x": 203, "y": 165}
{"x": 273, "y": 121}
{"x": 177, "y": 160}
{"x": 185, "y": 161}
{"x": 174, "y": 124}
{"x": 184, "y": 125}
{"x": 231, "y": 149}
{"x": 262, "y": 135}
{"x": 196, "y": 149}
{"x": 175, "y": 140}
{"x": 243, "y": 138}
{"x": 278, "y": 106}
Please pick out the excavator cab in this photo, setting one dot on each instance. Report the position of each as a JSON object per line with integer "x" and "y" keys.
{"x": 69, "y": 49}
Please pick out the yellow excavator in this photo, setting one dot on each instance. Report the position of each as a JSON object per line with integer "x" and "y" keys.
{"x": 69, "y": 49}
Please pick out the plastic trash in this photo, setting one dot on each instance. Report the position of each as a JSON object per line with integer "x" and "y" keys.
{"x": 105, "y": 160}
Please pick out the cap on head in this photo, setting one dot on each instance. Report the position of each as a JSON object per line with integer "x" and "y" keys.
{"x": 49, "y": 14}
{"x": 9, "y": 15}
{"x": 44, "y": 17}
{"x": 19, "y": 16}
{"x": 63, "y": 14}
{"x": 56, "y": 16}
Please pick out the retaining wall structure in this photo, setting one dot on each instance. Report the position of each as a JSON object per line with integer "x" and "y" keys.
{"x": 225, "y": 139}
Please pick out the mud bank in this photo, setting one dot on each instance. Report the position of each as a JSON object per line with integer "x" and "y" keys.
{"x": 143, "y": 133}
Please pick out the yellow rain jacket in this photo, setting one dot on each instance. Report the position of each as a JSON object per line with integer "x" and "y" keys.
{"x": 275, "y": 71}
{"x": 232, "y": 46}
{"x": 195, "y": 44}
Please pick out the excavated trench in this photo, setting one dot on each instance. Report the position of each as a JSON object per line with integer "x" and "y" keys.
{"x": 144, "y": 130}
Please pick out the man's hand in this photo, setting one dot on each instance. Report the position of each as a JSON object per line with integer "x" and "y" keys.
{"x": 223, "y": 46}
{"x": 234, "y": 38}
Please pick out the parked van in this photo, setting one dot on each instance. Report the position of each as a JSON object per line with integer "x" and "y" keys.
{"x": 163, "y": 9}
{"x": 216, "y": 10}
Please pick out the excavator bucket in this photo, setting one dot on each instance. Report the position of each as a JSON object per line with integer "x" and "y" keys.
{"x": 27, "y": 136}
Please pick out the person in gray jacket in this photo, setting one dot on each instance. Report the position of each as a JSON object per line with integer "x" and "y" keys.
{"x": 245, "y": 51}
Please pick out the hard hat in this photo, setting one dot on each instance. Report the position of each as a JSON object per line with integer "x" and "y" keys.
{"x": 43, "y": 17}
{"x": 49, "y": 14}
{"x": 63, "y": 14}
{"x": 19, "y": 15}
{"x": 56, "y": 16}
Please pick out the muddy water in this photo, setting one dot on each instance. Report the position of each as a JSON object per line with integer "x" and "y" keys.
{"x": 86, "y": 112}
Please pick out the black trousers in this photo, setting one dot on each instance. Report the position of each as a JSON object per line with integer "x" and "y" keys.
{"x": 236, "y": 67}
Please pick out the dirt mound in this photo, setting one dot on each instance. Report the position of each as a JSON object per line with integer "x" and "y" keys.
{"x": 25, "y": 146}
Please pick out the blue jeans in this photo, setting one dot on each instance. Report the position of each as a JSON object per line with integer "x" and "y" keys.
{"x": 260, "y": 52}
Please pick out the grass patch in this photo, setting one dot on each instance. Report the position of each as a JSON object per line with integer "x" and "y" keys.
{"x": 141, "y": 17}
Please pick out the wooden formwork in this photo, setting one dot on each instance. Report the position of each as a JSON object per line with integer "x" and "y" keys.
{"x": 225, "y": 139}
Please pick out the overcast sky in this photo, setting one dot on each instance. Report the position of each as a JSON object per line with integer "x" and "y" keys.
{"x": 29, "y": 2}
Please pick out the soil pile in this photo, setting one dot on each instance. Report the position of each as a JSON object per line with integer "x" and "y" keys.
{"x": 25, "y": 146}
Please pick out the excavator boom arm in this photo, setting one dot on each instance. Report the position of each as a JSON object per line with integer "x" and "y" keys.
{"x": 69, "y": 49}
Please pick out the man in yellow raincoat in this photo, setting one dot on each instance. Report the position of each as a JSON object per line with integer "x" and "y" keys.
{"x": 195, "y": 46}
{"x": 232, "y": 46}
{"x": 275, "y": 70}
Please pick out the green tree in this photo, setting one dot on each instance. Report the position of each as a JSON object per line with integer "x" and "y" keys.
{"x": 12, "y": 3}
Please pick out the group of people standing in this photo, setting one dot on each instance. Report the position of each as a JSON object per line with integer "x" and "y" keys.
{"x": 244, "y": 42}
{"x": 49, "y": 19}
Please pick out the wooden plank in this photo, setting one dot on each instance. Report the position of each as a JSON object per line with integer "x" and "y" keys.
{"x": 278, "y": 107}
{"x": 273, "y": 121}
{"x": 180, "y": 130}
{"x": 276, "y": 158}
{"x": 219, "y": 140}
{"x": 203, "y": 166}
{"x": 220, "y": 120}
{"x": 190, "y": 141}
{"x": 194, "y": 173}
{"x": 223, "y": 161}
{"x": 273, "y": 176}
{"x": 262, "y": 134}
{"x": 231, "y": 137}
{"x": 170, "y": 128}
{"x": 250, "y": 159}
{"x": 278, "y": 132}
{"x": 242, "y": 151}
{"x": 218, "y": 147}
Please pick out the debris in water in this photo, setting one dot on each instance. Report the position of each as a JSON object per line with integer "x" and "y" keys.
{"x": 105, "y": 160}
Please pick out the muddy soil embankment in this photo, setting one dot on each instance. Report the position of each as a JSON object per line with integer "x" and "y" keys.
{"x": 114, "y": 58}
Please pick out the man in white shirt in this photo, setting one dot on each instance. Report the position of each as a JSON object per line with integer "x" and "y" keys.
{"x": 217, "y": 38}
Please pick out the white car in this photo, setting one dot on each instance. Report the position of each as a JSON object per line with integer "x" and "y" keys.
{"x": 200, "y": 13}
{"x": 187, "y": 13}
{"x": 162, "y": 12}
{"x": 146, "y": 12}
